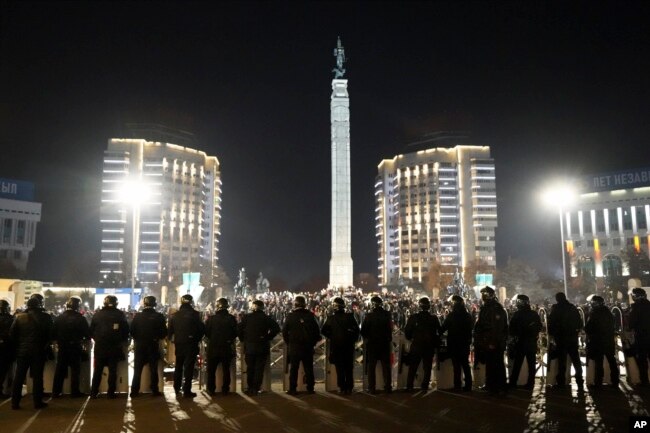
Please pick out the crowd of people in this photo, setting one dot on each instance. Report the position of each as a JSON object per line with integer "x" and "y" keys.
{"x": 452, "y": 327}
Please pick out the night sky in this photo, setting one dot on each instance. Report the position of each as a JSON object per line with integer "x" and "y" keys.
{"x": 554, "y": 89}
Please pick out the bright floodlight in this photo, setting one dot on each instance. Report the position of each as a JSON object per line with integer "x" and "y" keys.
{"x": 134, "y": 192}
{"x": 560, "y": 196}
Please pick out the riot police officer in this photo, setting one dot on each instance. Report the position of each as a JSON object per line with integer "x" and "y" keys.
{"x": 423, "y": 330}
{"x": 255, "y": 331}
{"x": 525, "y": 326}
{"x": 110, "y": 331}
{"x": 342, "y": 330}
{"x": 377, "y": 331}
{"x": 147, "y": 329}
{"x": 640, "y": 325}
{"x": 564, "y": 324}
{"x": 7, "y": 352}
{"x": 31, "y": 332}
{"x": 490, "y": 335}
{"x": 71, "y": 331}
{"x": 458, "y": 324}
{"x": 301, "y": 333}
{"x": 186, "y": 329}
{"x": 221, "y": 332}
{"x": 601, "y": 340}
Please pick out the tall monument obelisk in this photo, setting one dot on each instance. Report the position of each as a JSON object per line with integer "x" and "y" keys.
{"x": 341, "y": 260}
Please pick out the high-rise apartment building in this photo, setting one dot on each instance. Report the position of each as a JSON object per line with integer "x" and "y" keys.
{"x": 173, "y": 227}
{"x": 437, "y": 204}
{"x": 19, "y": 216}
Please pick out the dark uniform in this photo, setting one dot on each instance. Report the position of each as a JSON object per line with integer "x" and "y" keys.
{"x": 564, "y": 324}
{"x": 7, "y": 352}
{"x": 525, "y": 327}
{"x": 31, "y": 332}
{"x": 110, "y": 331}
{"x": 490, "y": 335}
{"x": 639, "y": 322}
{"x": 423, "y": 330}
{"x": 255, "y": 331}
{"x": 187, "y": 329}
{"x": 342, "y": 330}
{"x": 71, "y": 331}
{"x": 147, "y": 329}
{"x": 458, "y": 324}
{"x": 377, "y": 331}
{"x": 221, "y": 332}
{"x": 301, "y": 333}
{"x": 601, "y": 340}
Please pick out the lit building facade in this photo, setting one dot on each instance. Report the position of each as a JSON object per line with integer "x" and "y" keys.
{"x": 437, "y": 204}
{"x": 608, "y": 222}
{"x": 175, "y": 228}
{"x": 19, "y": 216}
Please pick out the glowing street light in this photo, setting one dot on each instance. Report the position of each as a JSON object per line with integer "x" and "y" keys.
{"x": 561, "y": 196}
{"x": 134, "y": 192}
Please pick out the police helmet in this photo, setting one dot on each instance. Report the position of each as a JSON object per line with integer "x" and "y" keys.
{"x": 110, "y": 301}
{"x": 522, "y": 301}
{"x": 638, "y": 293}
{"x": 149, "y": 302}
{"x": 424, "y": 303}
{"x": 34, "y": 302}
{"x": 187, "y": 299}
{"x": 258, "y": 305}
{"x": 37, "y": 296}
{"x": 299, "y": 302}
{"x": 73, "y": 303}
{"x": 456, "y": 299}
{"x": 338, "y": 303}
{"x": 222, "y": 304}
{"x": 487, "y": 293}
{"x": 5, "y": 308}
{"x": 596, "y": 301}
{"x": 376, "y": 301}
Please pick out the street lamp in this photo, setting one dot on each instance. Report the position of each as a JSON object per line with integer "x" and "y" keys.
{"x": 134, "y": 192}
{"x": 560, "y": 197}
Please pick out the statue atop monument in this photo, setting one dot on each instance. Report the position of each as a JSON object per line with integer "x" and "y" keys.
{"x": 339, "y": 53}
{"x": 262, "y": 284}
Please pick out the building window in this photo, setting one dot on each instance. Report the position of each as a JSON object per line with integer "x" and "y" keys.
{"x": 6, "y": 232}
{"x": 600, "y": 222}
{"x": 627, "y": 220}
{"x": 616, "y": 242}
{"x": 20, "y": 233}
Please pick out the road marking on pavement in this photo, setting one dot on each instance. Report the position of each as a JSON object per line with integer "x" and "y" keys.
{"x": 77, "y": 421}
{"x": 28, "y": 423}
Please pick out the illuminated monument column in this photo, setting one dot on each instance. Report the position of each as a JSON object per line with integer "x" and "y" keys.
{"x": 341, "y": 260}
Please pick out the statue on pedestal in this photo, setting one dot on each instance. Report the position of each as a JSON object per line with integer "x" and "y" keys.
{"x": 241, "y": 288}
{"x": 262, "y": 284}
{"x": 339, "y": 53}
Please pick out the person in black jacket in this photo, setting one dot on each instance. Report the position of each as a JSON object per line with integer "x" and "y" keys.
{"x": 525, "y": 326}
{"x": 342, "y": 330}
{"x": 221, "y": 332}
{"x": 110, "y": 331}
{"x": 255, "y": 331}
{"x": 7, "y": 352}
{"x": 423, "y": 330}
{"x": 377, "y": 331}
{"x": 639, "y": 323}
{"x": 301, "y": 333}
{"x": 31, "y": 332}
{"x": 490, "y": 335}
{"x": 186, "y": 329}
{"x": 147, "y": 329}
{"x": 71, "y": 332}
{"x": 564, "y": 324}
{"x": 601, "y": 340}
{"x": 458, "y": 325}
